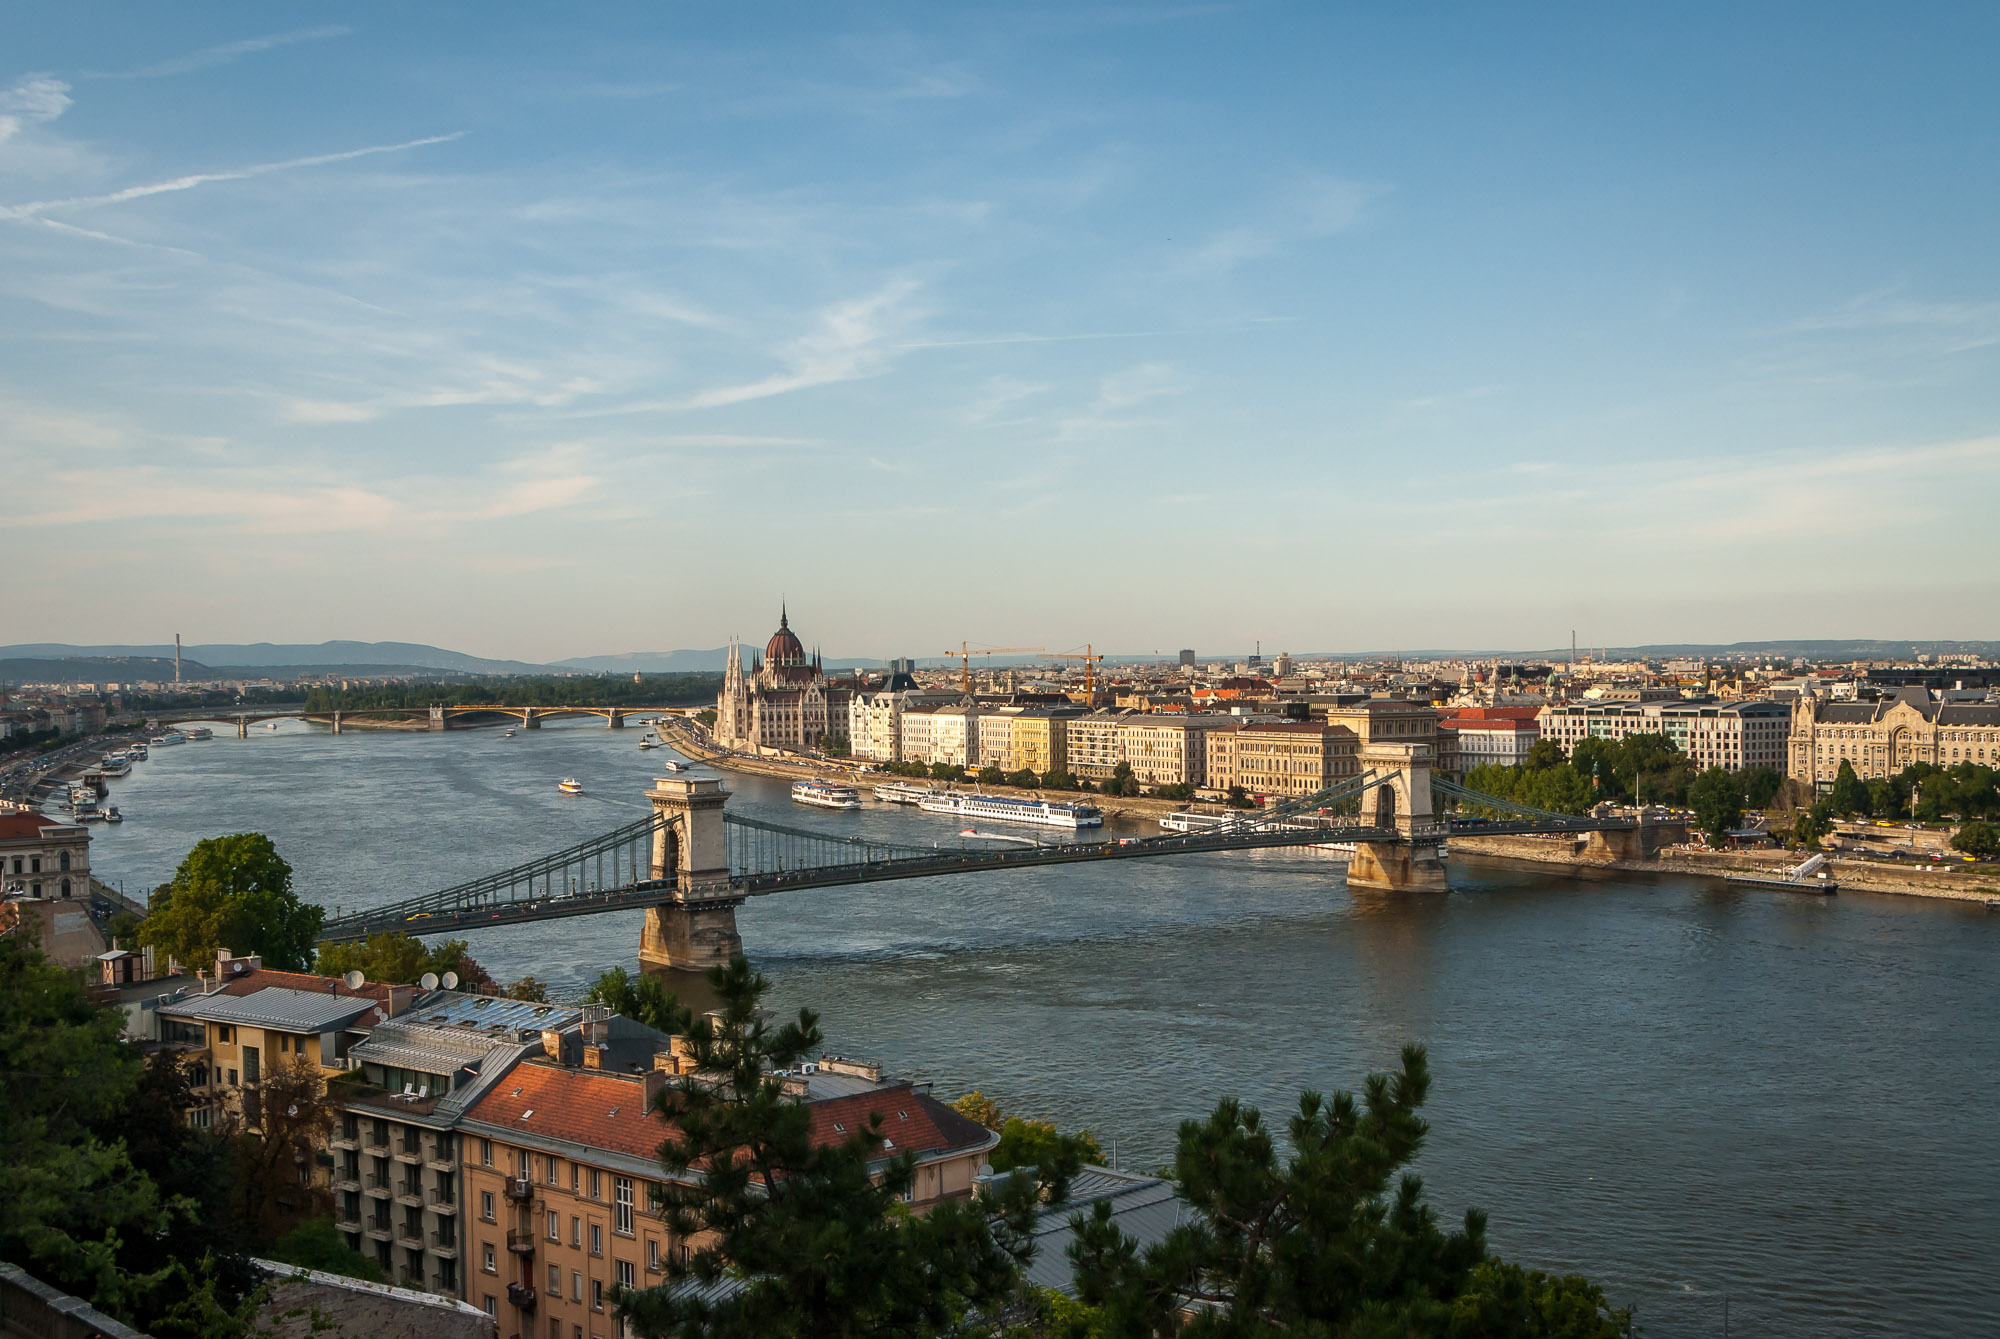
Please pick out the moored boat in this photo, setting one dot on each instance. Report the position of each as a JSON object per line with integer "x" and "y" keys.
{"x": 1188, "y": 820}
{"x": 1014, "y": 809}
{"x": 674, "y": 765}
{"x": 170, "y": 737}
{"x": 823, "y": 794}
{"x": 897, "y": 792}
{"x": 199, "y": 732}
{"x": 112, "y": 815}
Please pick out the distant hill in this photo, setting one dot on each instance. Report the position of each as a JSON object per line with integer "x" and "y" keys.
{"x": 676, "y": 662}
{"x": 263, "y": 657}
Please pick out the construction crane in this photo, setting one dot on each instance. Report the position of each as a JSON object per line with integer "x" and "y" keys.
{"x": 964, "y": 657}
{"x": 1089, "y": 666}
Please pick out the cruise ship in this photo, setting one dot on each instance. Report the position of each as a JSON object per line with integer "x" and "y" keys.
{"x": 200, "y": 732}
{"x": 116, "y": 764}
{"x": 825, "y": 794}
{"x": 170, "y": 737}
{"x": 1013, "y": 809}
{"x": 1187, "y": 820}
{"x": 896, "y": 792}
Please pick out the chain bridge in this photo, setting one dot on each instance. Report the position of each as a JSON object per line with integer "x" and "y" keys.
{"x": 689, "y": 864}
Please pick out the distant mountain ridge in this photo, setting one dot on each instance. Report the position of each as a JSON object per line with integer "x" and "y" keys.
{"x": 272, "y": 655}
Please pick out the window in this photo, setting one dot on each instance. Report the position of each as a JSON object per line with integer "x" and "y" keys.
{"x": 555, "y": 1170}
{"x": 555, "y": 1226}
{"x": 232, "y": 1078}
{"x": 576, "y": 1231}
{"x": 626, "y": 1274}
{"x": 555, "y": 1280}
{"x": 250, "y": 1074}
{"x": 621, "y": 1189}
{"x": 596, "y": 1186}
{"x": 486, "y": 1258}
{"x": 486, "y": 1153}
{"x": 596, "y": 1239}
{"x": 576, "y": 1285}
{"x": 597, "y": 1294}
{"x": 448, "y": 1276}
{"x": 652, "y": 1255}
{"x": 492, "y": 1304}
{"x": 486, "y": 1205}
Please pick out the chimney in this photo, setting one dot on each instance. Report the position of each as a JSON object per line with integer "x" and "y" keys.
{"x": 177, "y": 657}
{"x": 656, "y": 1083}
{"x": 595, "y": 1055}
{"x": 665, "y": 1062}
{"x": 552, "y": 1044}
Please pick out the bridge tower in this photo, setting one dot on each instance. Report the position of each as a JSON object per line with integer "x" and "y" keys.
{"x": 696, "y": 927}
{"x": 529, "y": 720}
{"x": 437, "y": 718}
{"x": 616, "y": 720}
{"x": 1415, "y": 862}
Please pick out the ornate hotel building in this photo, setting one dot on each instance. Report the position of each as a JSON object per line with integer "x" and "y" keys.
{"x": 1881, "y": 738}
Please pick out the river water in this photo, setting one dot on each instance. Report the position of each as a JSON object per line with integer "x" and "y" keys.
{"x": 1686, "y": 1091}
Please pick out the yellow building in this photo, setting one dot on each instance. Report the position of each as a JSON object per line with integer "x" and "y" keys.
{"x": 1879, "y": 739}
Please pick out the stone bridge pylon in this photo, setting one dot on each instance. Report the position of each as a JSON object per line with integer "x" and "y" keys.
{"x": 695, "y": 927}
{"x": 1401, "y": 800}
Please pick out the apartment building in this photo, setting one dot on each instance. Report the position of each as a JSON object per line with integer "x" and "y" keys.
{"x": 875, "y": 721}
{"x": 996, "y": 738}
{"x": 1167, "y": 750}
{"x": 1281, "y": 758}
{"x": 1093, "y": 743}
{"x": 955, "y": 736}
{"x": 1734, "y": 736}
{"x": 915, "y": 727}
{"x": 398, "y": 1177}
{"x": 1879, "y": 739}
{"x": 1039, "y": 740}
{"x": 42, "y": 857}
{"x": 565, "y": 1162}
{"x": 1485, "y": 736}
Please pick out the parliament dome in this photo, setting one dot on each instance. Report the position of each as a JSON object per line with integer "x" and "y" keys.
{"x": 784, "y": 647}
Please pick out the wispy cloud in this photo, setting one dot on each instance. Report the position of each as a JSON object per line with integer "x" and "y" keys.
{"x": 223, "y": 54}
{"x": 850, "y": 343}
{"x": 31, "y": 100}
{"x": 1312, "y": 207}
{"x": 1117, "y": 396}
{"x": 35, "y": 208}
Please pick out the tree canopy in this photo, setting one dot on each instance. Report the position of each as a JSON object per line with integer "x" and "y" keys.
{"x": 643, "y": 998}
{"x": 232, "y": 892}
{"x": 1335, "y": 1240}
{"x": 400, "y": 959}
{"x": 816, "y": 1233}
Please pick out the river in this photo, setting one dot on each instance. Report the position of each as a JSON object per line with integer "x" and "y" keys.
{"x": 1686, "y": 1091}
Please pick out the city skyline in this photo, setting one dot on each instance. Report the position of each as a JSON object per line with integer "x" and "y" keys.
{"x": 1334, "y": 329}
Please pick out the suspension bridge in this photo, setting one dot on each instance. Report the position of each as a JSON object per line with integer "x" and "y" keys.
{"x": 690, "y": 864}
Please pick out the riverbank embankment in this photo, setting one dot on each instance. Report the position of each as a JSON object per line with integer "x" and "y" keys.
{"x": 1952, "y": 881}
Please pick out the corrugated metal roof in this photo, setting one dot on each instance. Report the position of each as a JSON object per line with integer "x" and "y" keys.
{"x": 1145, "y": 1207}
{"x": 274, "y": 1006}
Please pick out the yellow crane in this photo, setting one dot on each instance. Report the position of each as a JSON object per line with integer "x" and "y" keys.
{"x": 964, "y": 655}
{"x": 1089, "y": 666}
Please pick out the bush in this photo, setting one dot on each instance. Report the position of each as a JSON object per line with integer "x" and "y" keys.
{"x": 1980, "y": 839}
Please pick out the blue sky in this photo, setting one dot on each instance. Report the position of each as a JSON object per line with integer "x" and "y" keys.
{"x": 539, "y": 333}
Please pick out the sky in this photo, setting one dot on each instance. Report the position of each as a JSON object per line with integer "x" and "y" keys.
{"x": 539, "y": 332}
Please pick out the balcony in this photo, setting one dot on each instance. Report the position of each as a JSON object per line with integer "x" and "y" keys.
{"x": 409, "y": 1234}
{"x": 410, "y": 1193}
{"x": 374, "y": 1140}
{"x": 345, "y": 1139}
{"x": 378, "y": 1228}
{"x": 343, "y": 1179}
{"x": 520, "y": 1190}
{"x": 410, "y": 1278}
{"x": 378, "y": 1184}
{"x": 342, "y": 1218}
{"x": 520, "y": 1242}
{"x": 521, "y": 1295}
{"x": 441, "y": 1159}
{"x": 441, "y": 1201}
{"x": 444, "y": 1244}
{"x": 410, "y": 1150}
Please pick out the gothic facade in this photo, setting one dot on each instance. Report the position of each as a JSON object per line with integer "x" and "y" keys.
{"x": 782, "y": 702}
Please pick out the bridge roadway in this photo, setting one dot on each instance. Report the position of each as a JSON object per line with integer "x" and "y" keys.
{"x": 472, "y": 910}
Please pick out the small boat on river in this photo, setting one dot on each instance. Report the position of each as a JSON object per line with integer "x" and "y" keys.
{"x": 825, "y": 794}
{"x": 569, "y": 785}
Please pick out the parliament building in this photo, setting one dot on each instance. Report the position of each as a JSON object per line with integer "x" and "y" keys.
{"x": 785, "y": 700}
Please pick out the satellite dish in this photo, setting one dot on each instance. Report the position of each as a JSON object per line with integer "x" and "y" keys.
{"x": 451, "y": 980}
{"x": 429, "y": 981}
{"x": 354, "y": 979}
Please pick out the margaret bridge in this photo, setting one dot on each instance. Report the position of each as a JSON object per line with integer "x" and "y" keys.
{"x": 690, "y": 864}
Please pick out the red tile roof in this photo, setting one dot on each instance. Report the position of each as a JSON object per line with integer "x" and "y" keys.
{"x": 583, "y": 1106}
{"x": 18, "y": 826}
{"x": 609, "y": 1111}
{"x": 250, "y": 982}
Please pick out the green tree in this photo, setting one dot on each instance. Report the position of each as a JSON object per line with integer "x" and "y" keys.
{"x": 643, "y": 998}
{"x": 977, "y": 1106}
{"x": 947, "y": 771}
{"x": 1717, "y": 800}
{"x": 528, "y": 988}
{"x": 1811, "y": 824}
{"x": 1848, "y": 795}
{"x": 1761, "y": 786}
{"x": 387, "y": 956}
{"x": 317, "y": 1244}
{"x": 284, "y": 1122}
{"x": 1335, "y": 1240}
{"x": 236, "y": 893}
{"x": 1121, "y": 781}
{"x": 992, "y": 776}
{"x": 75, "y": 1210}
{"x": 1025, "y": 779}
{"x": 1882, "y": 801}
{"x": 816, "y": 1232}
{"x": 1977, "y": 838}
{"x": 1055, "y": 1157}
{"x": 1175, "y": 790}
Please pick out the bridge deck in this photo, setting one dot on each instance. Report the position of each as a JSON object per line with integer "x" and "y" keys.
{"x": 494, "y": 901}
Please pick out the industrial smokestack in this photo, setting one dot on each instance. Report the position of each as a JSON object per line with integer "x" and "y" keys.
{"x": 177, "y": 657}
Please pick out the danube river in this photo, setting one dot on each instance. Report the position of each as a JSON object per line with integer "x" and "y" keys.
{"x": 1687, "y": 1091}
